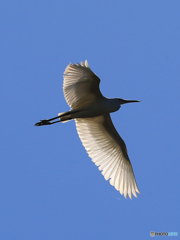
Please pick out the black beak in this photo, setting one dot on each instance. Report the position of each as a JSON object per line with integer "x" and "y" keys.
{"x": 123, "y": 101}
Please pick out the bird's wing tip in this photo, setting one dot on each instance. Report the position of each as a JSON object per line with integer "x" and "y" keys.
{"x": 86, "y": 63}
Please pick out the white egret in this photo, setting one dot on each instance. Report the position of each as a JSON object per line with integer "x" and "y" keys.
{"x": 91, "y": 111}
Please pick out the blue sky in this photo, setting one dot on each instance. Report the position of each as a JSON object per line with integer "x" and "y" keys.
{"x": 49, "y": 187}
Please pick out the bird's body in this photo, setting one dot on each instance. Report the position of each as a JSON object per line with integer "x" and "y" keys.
{"x": 91, "y": 111}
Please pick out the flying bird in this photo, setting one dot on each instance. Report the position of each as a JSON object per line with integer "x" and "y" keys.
{"x": 91, "y": 112}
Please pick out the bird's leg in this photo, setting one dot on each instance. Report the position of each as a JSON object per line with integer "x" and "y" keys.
{"x": 47, "y": 121}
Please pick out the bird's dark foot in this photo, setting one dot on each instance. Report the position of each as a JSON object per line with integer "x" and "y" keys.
{"x": 43, "y": 122}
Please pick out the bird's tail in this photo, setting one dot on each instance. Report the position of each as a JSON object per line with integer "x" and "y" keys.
{"x": 65, "y": 116}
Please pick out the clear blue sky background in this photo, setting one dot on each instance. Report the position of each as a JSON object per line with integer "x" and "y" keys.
{"x": 49, "y": 188}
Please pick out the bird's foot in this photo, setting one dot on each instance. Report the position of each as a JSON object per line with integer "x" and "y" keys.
{"x": 43, "y": 122}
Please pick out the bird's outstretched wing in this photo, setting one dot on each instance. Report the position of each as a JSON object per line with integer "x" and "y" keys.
{"x": 80, "y": 85}
{"x": 108, "y": 151}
